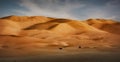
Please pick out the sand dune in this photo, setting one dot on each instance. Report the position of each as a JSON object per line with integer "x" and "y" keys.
{"x": 106, "y": 25}
{"x": 27, "y": 34}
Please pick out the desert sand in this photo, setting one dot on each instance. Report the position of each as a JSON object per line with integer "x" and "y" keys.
{"x": 38, "y": 35}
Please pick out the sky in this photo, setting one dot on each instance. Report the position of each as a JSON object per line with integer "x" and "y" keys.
{"x": 72, "y": 9}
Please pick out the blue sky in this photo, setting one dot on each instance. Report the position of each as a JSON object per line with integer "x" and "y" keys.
{"x": 73, "y": 9}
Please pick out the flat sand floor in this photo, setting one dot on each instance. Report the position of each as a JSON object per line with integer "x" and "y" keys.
{"x": 67, "y": 55}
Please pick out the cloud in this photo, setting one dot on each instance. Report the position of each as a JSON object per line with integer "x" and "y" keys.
{"x": 73, "y": 9}
{"x": 107, "y": 10}
{"x": 99, "y": 12}
{"x": 53, "y": 8}
{"x": 113, "y": 4}
{"x": 113, "y": 9}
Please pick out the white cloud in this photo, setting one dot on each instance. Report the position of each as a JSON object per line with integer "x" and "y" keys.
{"x": 48, "y": 8}
{"x": 99, "y": 12}
{"x": 67, "y": 9}
{"x": 109, "y": 10}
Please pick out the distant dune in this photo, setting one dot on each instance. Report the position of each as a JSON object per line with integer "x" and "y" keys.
{"x": 26, "y": 34}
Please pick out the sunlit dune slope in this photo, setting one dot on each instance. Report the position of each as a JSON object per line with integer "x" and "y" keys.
{"x": 106, "y": 25}
{"x": 25, "y": 21}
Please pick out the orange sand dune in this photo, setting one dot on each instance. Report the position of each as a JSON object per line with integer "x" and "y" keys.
{"x": 31, "y": 33}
